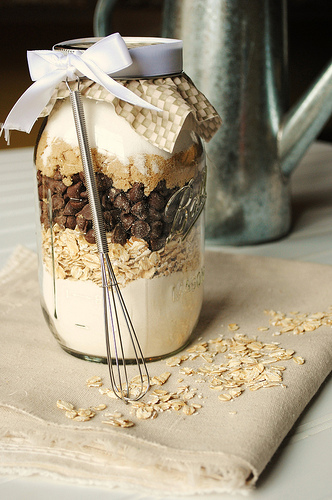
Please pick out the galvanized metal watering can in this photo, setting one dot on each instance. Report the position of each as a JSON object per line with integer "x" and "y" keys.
{"x": 236, "y": 53}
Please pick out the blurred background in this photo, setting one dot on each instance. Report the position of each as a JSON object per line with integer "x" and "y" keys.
{"x": 39, "y": 24}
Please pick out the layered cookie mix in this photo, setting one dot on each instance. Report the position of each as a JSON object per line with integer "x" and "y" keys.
{"x": 148, "y": 197}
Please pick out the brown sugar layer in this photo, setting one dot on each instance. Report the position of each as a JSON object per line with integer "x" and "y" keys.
{"x": 126, "y": 214}
{"x": 57, "y": 157}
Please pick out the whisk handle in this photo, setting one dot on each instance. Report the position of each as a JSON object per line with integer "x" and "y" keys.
{"x": 90, "y": 178}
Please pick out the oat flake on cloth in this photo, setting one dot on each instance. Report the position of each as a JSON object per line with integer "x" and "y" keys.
{"x": 176, "y": 96}
{"x": 223, "y": 446}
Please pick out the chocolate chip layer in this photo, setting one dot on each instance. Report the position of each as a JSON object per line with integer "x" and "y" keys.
{"x": 125, "y": 214}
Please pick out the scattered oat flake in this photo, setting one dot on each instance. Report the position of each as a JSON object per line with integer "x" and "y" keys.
{"x": 111, "y": 394}
{"x": 188, "y": 410}
{"x": 100, "y": 407}
{"x": 82, "y": 418}
{"x": 71, "y": 414}
{"x": 255, "y": 346}
{"x": 104, "y": 390}
{"x": 119, "y": 422}
{"x": 224, "y": 397}
{"x": 116, "y": 414}
{"x": 299, "y": 323}
{"x": 174, "y": 361}
{"x": 85, "y": 412}
{"x": 161, "y": 379}
{"x": 64, "y": 405}
{"x": 233, "y": 327}
{"x": 247, "y": 364}
{"x": 145, "y": 413}
{"x": 94, "y": 381}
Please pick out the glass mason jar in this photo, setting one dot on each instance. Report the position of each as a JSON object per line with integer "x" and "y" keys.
{"x": 152, "y": 202}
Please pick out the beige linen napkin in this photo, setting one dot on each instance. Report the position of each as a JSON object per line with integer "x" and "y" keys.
{"x": 223, "y": 446}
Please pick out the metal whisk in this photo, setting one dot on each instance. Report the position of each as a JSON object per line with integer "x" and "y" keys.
{"x": 113, "y": 302}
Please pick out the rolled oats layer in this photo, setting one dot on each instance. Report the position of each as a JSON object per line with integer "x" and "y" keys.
{"x": 76, "y": 259}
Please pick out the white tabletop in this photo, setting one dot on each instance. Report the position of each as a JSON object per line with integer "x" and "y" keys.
{"x": 302, "y": 467}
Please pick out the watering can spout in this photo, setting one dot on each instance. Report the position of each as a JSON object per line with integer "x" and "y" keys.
{"x": 303, "y": 122}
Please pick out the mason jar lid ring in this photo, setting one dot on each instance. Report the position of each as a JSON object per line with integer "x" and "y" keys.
{"x": 151, "y": 56}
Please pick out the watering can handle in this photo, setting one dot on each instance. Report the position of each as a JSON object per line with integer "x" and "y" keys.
{"x": 102, "y": 19}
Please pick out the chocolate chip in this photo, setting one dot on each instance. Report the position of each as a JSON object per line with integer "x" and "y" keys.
{"x": 136, "y": 193}
{"x": 69, "y": 209}
{"x": 116, "y": 213}
{"x": 57, "y": 176}
{"x": 105, "y": 201}
{"x": 74, "y": 190}
{"x": 57, "y": 202}
{"x": 140, "y": 210}
{"x": 82, "y": 223}
{"x": 157, "y": 244}
{"x": 110, "y": 220}
{"x": 75, "y": 178}
{"x": 44, "y": 219}
{"x": 103, "y": 181}
{"x": 162, "y": 189}
{"x": 127, "y": 221}
{"x": 140, "y": 229}
{"x": 55, "y": 186}
{"x": 112, "y": 193}
{"x": 118, "y": 235}
{"x": 90, "y": 236}
{"x": 154, "y": 214}
{"x": 39, "y": 177}
{"x": 78, "y": 204}
{"x": 71, "y": 222}
{"x": 156, "y": 229}
{"x": 61, "y": 221}
{"x": 86, "y": 212}
{"x": 122, "y": 202}
{"x": 156, "y": 200}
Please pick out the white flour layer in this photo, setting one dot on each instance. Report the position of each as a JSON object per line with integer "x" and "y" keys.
{"x": 163, "y": 310}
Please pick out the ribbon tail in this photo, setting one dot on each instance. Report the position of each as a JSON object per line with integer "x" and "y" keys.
{"x": 29, "y": 106}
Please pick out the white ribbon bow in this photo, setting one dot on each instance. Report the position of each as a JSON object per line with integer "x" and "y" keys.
{"x": 48, "y": 68}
